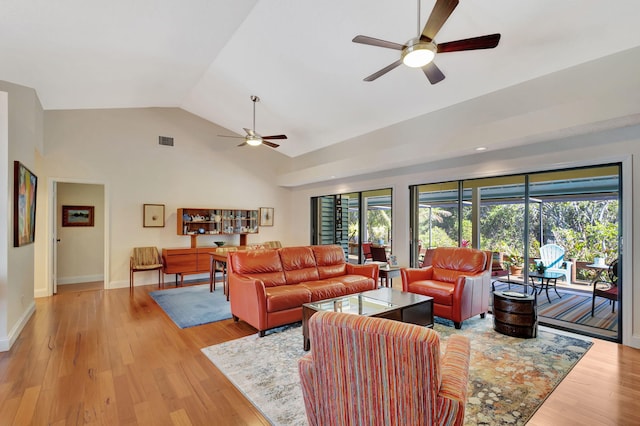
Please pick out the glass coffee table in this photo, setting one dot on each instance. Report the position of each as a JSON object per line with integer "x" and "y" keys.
{"x": 382, "y": 303}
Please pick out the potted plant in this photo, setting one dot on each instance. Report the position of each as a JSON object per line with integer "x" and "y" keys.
{"x": 516, "y": 263}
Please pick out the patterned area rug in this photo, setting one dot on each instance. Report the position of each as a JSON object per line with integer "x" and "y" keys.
{"x": 193, "y": 305}
{"x": 509, "y": 377}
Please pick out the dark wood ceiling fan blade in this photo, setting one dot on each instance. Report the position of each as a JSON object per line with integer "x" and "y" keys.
{"x": 243, "y": 143}
{"x": 271, "y": 144}
{"x": 229, "y": 136}
{"x": 275, "y": 137}
{"x": 483, "y": 42}
{"x": 439, "y": 15}
{"x": 433, "y": 73}
{"x": 377, "y": 42}
{"x": 383, "y": 71}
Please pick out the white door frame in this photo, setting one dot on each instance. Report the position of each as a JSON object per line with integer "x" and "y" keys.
{"x": 52, "y": 231}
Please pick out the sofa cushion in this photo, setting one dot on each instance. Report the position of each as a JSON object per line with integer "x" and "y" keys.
{"x": 298, "y": 264}
{"x": 330, "y": 261}
{"x": 356, "y": 283}
{"x": 259, "y": 264}
{"x": 460, "y": 259}
{"x": 442, "y": 292}
{"x": 324, "y": 289}
{"x": 285, "y": 297}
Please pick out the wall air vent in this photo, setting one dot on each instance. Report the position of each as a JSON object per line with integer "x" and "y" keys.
{"x": 166, "y": 140}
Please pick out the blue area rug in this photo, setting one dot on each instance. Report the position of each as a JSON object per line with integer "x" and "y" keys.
{"x": 194, "y": 305}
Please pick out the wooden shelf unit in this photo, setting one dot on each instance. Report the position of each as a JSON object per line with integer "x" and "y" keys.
{"x": 197, "y": 221}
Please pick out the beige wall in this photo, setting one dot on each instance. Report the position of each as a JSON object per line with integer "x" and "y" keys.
{"x": 119, "y": 149}
{"x": 80, "y": 250}
{"x": 22, "y": 138}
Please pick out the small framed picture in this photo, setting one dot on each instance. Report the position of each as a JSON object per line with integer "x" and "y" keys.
{"x": 77, "y": 215}
{"x": 393, "y": 260}
{"x": 266, "y": 216}
{"x": 153, "y": 216}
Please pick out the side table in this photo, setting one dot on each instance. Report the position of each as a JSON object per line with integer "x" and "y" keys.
{"x": 514, "y": 314}
{"x": 388, "y": 272}
{"x": 545, "y": 281}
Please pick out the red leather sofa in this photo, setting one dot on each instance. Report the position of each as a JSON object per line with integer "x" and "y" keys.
{"x": 267, "y": 288}
{"x": 458, "y": 279}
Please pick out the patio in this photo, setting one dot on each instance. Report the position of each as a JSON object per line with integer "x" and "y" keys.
{"x": 572, "y": 311}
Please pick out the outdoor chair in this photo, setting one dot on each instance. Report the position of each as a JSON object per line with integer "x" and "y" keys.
{"x": 366, "y": 252}
{"x": 365, "y": 370}
{"x": 379, "y": 254}
{"x": 146, "y": 259}
{"x": 552, "y": 256}
{"x": 607, "y": 288}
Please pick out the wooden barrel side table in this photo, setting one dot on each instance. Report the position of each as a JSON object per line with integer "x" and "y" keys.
{"x": 514, "y": 314}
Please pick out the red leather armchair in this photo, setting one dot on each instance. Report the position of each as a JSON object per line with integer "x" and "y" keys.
{"x": 458, "y": 279}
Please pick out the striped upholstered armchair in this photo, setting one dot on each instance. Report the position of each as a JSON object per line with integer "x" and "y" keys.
{"x": 369, "y": 371}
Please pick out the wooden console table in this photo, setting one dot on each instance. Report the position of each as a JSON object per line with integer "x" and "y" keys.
{"x": 186, "y": 261}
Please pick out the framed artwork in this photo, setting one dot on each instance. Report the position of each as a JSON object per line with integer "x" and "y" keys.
{"x": 25, "y": 185}
{"x": 266, "y": 216}
{"x": 153, "y": 216}
{"x": 77, "y": 215}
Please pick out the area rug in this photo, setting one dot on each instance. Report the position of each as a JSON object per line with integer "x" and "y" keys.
{"x": 574, "y": 307}
{"x": 194, "y": 305}
{"x": 509, "y": 377}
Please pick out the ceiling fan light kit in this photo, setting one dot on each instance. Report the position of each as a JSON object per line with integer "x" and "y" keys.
{"x": 253, "y": 140}
{"x": 420, "y": 52}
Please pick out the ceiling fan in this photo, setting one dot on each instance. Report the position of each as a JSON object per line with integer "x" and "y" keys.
{"x": 252, "y": 138}
{"x": 419, "y": 52}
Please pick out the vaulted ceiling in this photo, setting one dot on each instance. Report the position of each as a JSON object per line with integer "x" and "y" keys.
{"x": 209, "y": 56}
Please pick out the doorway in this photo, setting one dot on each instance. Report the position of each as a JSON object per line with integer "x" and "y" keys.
{"x": 79, "y": 236}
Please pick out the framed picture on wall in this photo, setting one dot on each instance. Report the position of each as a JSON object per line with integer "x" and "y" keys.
{"x": 153, "y": 216}
{"x": 77, "y": 215}
{"x": 266, "y": 216}
{"x": 24, "y": 205}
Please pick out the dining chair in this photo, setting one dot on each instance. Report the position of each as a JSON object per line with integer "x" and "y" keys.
{"x": 146, "y": 259}
{"x": 607, "y": 288}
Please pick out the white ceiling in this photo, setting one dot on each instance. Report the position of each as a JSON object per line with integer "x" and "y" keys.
{"x": 209, "y": 56}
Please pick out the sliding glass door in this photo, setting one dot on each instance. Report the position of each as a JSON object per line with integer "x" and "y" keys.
{"x": 354, "y": 220}
{"x": 574, "y": 214}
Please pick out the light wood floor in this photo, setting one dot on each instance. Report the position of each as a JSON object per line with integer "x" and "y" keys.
{"x": 114, "y": 358}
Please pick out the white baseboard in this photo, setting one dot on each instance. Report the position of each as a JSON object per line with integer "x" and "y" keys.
{"x": 169, "y": 281}
{"x": 41, "y": 293}
{"x": 80, "y": 279}
{"x": 6, "y": 343}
